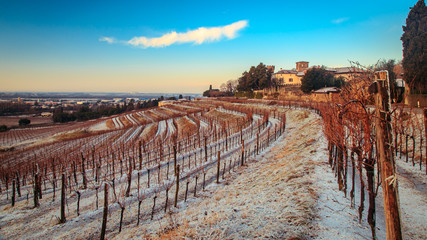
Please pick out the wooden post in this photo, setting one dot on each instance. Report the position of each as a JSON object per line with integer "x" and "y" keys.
{"x": 154, "y": 206}
{"x": 206, "y": 150}
{"x": 13, "y": 192}
{"x": 385, "y": 152}
{"x": 218, "y": 167}
{"x": 177, "y": 185}
{"x": 243, "y": 152}
{"x": 257, "y": 143}
{"x": 62, "y": 219}
{"x": 84, "y": 172}
{"x": 105, "y": 215}
{"x": 167, "y": 198}
{"x": 129, "y": 178}
{"x": 195, "y": 186}
{"x": 186, "y": 192}
{"x": 78, "y": 202}
{"x": 36, "y": 189}
{"x": 174, "y": 158}
{"x": 226, "y": 140}
{"x": 140, "y": 155}
{"x": 18, "y": 188}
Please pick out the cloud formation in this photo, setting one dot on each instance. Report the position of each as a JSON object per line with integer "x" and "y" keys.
{"x": 340, "y": 20}
{"x": 107, "y": 39}
{"x": 197, "y": 36}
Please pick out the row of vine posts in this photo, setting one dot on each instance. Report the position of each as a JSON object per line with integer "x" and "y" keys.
{"x": 352, "y": 125}
{"x": 102, "y": 175}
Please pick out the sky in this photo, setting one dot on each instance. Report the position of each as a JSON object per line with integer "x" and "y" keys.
{"x": 184, "y": 46}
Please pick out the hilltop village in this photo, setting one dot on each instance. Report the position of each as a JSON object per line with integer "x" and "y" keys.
{"x": 313, "y": 83}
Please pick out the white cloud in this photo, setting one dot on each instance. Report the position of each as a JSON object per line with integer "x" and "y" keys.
{"x": 197, "y": 36}
{"x": 340, "y": 20}
{"x": 107, "y": 39}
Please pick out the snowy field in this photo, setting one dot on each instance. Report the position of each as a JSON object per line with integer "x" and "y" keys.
{"x": 288, "y": 191}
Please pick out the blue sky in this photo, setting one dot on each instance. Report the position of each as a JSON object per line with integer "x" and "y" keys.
{"x": 57, "y": 45}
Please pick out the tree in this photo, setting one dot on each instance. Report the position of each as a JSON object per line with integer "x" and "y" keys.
{"x": 24, "y": 122}
{"x": 317, "y": 78}
{"x": 276, "y": 82}
{"x": 206, "y": 93}
{"x": 131, "y": 105}
{"x": 243, "y": 82}
{"x": 257, "y": 78}
{"x": 3, "y": 128}
{"x": 229, "y": 88}
{"x": 414, "y": 41}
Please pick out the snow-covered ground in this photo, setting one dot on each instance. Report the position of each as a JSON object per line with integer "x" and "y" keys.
{"x": 280, "y": 194}
{"x": 100, "y": 126}
{"x": 287, "y": 192}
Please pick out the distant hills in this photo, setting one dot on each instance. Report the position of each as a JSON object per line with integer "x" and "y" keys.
{"x": 103, "y": 95}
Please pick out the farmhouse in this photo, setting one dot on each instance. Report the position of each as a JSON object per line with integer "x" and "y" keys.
{"x": 348, "y": 73}
{"x": 293, "y": 77}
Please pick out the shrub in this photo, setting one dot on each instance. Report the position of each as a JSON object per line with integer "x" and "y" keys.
{"x": 24, "y": 122}
{"x": 3, "y": 128}
{"x": 258, "y": 95}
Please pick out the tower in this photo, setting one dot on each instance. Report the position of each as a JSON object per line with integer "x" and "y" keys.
{"x": 301, "y": 66}
{"x": 270, "y": 68}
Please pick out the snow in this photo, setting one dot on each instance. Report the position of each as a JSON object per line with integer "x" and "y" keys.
{"x": 117, "y": 122}
{"x": 100, "y": 126}
{"x": 162, "y": 128}
{"x": 131, "y": 119}
{"x": 136, "y": 131}
{"x": 146, "y": 116}
{"x": 203, "y": 125}
{"x": 288, "y": 191}
{"x": 171, "y": 127}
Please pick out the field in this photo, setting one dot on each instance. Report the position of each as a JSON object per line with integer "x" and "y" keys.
{"x": 12, "y": 121}
{"x": 203, "y": 169}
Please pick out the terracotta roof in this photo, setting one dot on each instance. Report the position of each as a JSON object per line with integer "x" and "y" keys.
{"x": 286, "y": 72}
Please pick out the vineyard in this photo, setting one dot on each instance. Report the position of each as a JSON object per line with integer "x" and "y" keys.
{"x": 142, "y": 167}
{"x": 158, "y": 157}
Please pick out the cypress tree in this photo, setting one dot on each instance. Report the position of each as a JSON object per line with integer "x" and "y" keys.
{"x": 414, "y": 41}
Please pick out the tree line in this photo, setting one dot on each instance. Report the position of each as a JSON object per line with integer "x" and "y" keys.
{"x": 257, "y": 78}
{"x": 11, "y": 108}
{"x": 85, "y": 113}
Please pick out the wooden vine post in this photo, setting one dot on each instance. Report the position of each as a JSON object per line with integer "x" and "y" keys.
{"x": 177, "y": 186}
{"x": 36, "y": 189}
{"x": 62, "y": 219}
{"x": 384, "y": 138}
{"x": 13, "y": 193}
{"x": 206, "y": 149}
{"x": 243, "y": 152}
{"x": 105, "y": 213}
{"x": 218, "y": 167}
{"x": 174, "y": 158}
